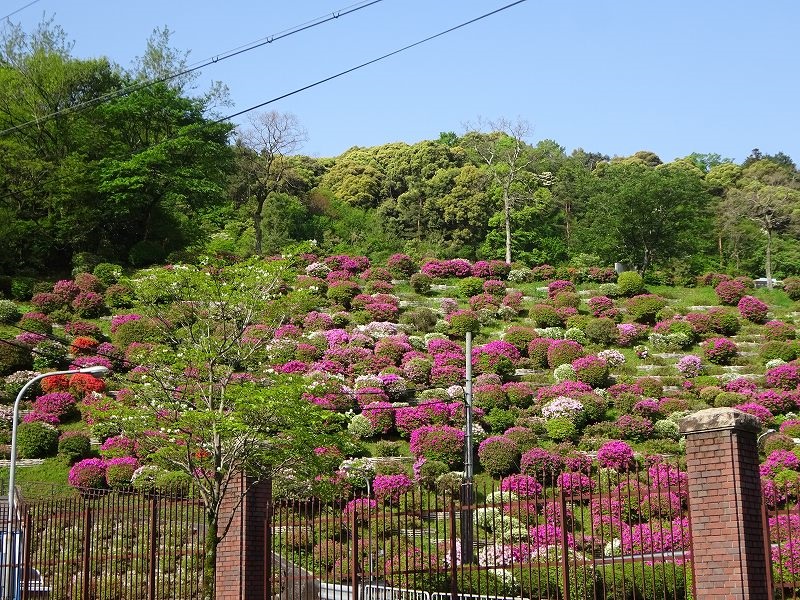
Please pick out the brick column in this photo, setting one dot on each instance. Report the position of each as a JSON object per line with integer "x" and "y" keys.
{"x": 728, "y": 537}
{"x": 240, "y": 554}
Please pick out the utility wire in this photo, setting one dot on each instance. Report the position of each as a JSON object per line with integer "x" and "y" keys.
{"x": 82, "y": 106}
{"x": 11, "y": 14}
{"x": 373, "y": 61}
{"x": 309, "y": 86}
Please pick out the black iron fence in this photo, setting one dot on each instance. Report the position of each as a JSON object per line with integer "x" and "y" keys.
{"x": 585, "y": 534}
{"x": 108, "y": 546}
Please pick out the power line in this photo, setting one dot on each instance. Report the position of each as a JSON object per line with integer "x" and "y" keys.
{"x": 311, "y": 85}
{"x": 80, "y": 107}
{"x": 20, "y": 9}
{"x": 373, "y": 61}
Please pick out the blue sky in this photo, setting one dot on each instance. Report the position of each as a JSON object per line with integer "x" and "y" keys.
{"x": 608, "y": 76}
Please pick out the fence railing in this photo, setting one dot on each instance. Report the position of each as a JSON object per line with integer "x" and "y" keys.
{"x": 782, "y": 520}
{"x": 117, "y": 545}
{"x": 580, "y": 535}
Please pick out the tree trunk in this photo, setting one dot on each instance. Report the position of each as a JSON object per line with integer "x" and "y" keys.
{"x": 257, "y": 225}
{"x": 210, "y": 561}
{"x": 769, "y": 259}
{"x": 507, "y": 212}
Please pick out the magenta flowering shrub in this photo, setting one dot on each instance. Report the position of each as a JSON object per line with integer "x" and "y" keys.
{"x": 56, "y": 404}
{"x": 575, "y": 483}
{"x": 664, "y": 476}
{"x": 457, "y": 267}
{"x": 369, "y": 395}
{"x": 47, "y": 302}
{"x": 753, "y": 309}
{"x": 571, "y": 389}
{"x": 315, "y": 321}
{"x": 786, "y": 563}
{"x": 784, "y": 377}
{"x": 616, "y": 455}
{"x": 344, "y": 262}
{"x": 484, "y": 301}
{"x": 492, "y": 268}
{"x": 489, "y": 396}
{"x": 401, "y": 265}
{"x": 630, "y": 333}
{"x": 741, "y": 385}
{"x": 393, "y": 347}
{"x": 541, "y": 464}
{"x": 779, "y": 331}
{"x": 730, "y": 292}
{"x": 524, "y": 486}
{"x": 558, "y": 286}
{"x": 790, "y": 427}
{"x": 760, "y": 412}
{"x": 88, "y": 304}
{"x": 30, "y": 339}
{"x": 649, "y": 407}
{"x": 67, "y": 290}
{"x": 645, "y": 537}
{"x": 389, "y": 488}
{"x": 561, "y": 352}
{"x": 382, "y": 311}
{"x": 779, "y": 460}
{"x": 118, "y": 446}
{"x": 602, "y": 306}
{"x": 443, "y": 443}
{"x": 82, "y": 328}
{"x": 381, "y": 416}
{"x": 548, "y": 534}
{"x": 494, "y": 287}
{"x": 635, "y": 428}
{"x": 376, "y": 274}
{"x": 537, "y": 351}
{"x": 720, "y": 350}
{"x": 499, "y": 455}
{"x": 591, "y": 370}
{"x": 89, "y": 473}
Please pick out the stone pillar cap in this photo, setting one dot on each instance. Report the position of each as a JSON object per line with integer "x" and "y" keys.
{"x": 717, "y": 419}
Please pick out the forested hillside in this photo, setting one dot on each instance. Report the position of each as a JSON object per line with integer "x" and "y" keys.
{"x": 102, "y": 163}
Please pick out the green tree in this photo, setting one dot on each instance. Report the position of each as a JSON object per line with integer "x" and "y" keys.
{"x": 645, "y": 215}
{"x": 203, "y": 402}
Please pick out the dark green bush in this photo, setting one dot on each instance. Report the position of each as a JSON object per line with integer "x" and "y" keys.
{"x": 387, "y": 448}
{"x": 145, "y": 253}
{"x": 421, "y": 283}
{"x": 786, "y": 351}
{"x": 22, "y": 288}
{"x": 119, "y": 295}
{"x": 74, "y": 446}
{"x": 14, "y": 357}
{"x": 173, "y": 483}
{"x": 108, "y": 273}
{"x": 422, "y": 319}
{"x": 602, "y": 331}
{"x": 791, "y": 285}
{"x": 37, "y": 440}
{"x": 430, "y": 471}
{"x": 499, "y": 419}
{"x": 644, "y": 307}
{"x": 463, "y": 321}
{"x": 544, "y": 315}
{"x": 141, "y": 330}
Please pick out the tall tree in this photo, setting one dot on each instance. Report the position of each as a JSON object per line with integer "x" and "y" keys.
{"x": 508, "y": 159}
{"x": 203, "y": 402}
{"x": 644, "y": 215}
{"x": 263, "y": 161}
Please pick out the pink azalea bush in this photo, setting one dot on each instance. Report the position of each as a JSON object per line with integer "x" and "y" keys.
{"x": 443, "y": 443}
{"x": 616, "y": 455}
{"x": 88, "y": 473}
{"x": 720, "y": 350}
{"x": 389, "y": 488}
{"x": 753, "y": 309}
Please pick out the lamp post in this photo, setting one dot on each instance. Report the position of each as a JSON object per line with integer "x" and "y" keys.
{"x": 12, "y": 471}
{"x": 467, "y": 491}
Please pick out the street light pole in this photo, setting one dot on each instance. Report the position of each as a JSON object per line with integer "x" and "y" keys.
{"x": 12, "y": 471}
{"x": 467, "y": 491}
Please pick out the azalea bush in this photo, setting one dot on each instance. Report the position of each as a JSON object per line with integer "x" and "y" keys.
{"x": 499, "y": 455}
{"x": 90, "y": 473}
{"x": 720, "y": 350}
{"x": 753, "y": 309}
{"x": 442, "y": 443}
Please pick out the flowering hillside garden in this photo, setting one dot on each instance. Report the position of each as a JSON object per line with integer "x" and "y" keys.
{"x": 220, "y": 367}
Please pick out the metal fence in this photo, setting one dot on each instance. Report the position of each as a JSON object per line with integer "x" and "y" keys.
{"x": 585, "y": 534}
{"x": 782, "y": 520}
{"x": 103, "y": 545}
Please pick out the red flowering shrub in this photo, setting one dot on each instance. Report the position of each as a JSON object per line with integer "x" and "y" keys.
{"x": 90, "y": 473}
{"x": 47, "y": 302}
{"x": 82, "y": 383}
{"x": 54, "y": 383}
{"x": 83, "y": 346}
{"x": 87, "y": 282}
{"x": 381, "y": 416}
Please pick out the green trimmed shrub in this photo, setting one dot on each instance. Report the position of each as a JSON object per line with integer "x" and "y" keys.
{"x": 644, "y": 307}
{"x": 421, "y": 283}
{"x": 791, "y": 285}
{"x": 544, "y": 315}
{"x": 74, "y": 446}
{"x": 630, "y": 283}
{"x": 469, "y": 286}
{"x": 561, "y": 429}
{"x": 462, "y": 321}
{"x": 37, "y": 440}
{"x": 602, "y": 331}
{"x": 107, "y": 273}
{"x": 786, "y": 351}
{"x": 9, "y": 312}
{"x": 422, "y": 319}
{"x": 430, "y": 471}
{"x": 22, "y": 288}
{"x": 141, "y": 330}
{"x": 14, "y": 357}
{"x": 173, "y": 483}
{"x": 499, "y": 455}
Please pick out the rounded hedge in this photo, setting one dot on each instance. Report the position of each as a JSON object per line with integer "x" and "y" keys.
{"x": 37, "y": 440}
{"x": 630, "y": 283}
{"x": 74, "y": 446}
{"x": 498, "y": 455}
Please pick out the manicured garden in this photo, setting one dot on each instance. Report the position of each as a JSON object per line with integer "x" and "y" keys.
{"x": 581, "y": 377}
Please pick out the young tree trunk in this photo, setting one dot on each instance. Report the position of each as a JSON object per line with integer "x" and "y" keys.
{"x": 769, "y": 259}
{"x": 257, "y": 225}
{"x": 210, "y": 561}
{"x": 507, "y": 212}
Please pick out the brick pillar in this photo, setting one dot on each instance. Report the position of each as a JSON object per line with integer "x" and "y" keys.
{"x": 240, "y": 554}
{"x": 728, "y": 537}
